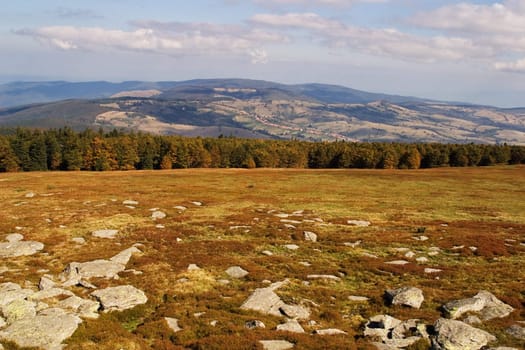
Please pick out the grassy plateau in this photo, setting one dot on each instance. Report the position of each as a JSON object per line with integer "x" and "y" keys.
{"x": 475, "y": 216}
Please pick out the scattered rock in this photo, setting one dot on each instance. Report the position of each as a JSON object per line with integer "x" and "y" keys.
{"x": 180, "y": 207}
{"x": 291, "y": 246}
{"x": 516, "y": 331}
{"x": 407, "y": 296}
{"x": 422, "y": 259}
{"x": 236, "y": 272}
{"x": 359, "y": 223}
{"x": 410, "y": 254}
{"x": 193, "y": 267}
{"x": 254, "y": 324}
{"x": 196, "y": 203}
{"x": 130, "y": 202}
{"x": 265, "y": 300}
{"x": 431, "y": 270}
{"x": 14, "y": 237}
{"x": 30, "y": 195}
{"x": 357, "y": 298}
{"x": 295, "y": 311}
{"x": 353, "y": 244}
{"x": 46, "y": 283}
{"x": 124, "y": 256}
{"x": 323, "y": 277}
{"x": 310, "y": 236}
{"x": 105, "y": 233}
{"x": 267, "y": 253}
{"x": 119, "y": 298}
{"x": 290, "y": 326}
{"x": 380, "y": 326}
{"x": 173, "y": 324}
{"x": 157, "y": 214}
{"x": 42, "y": 331}
{"x": 276, "y": 344}
{"x": 19, "y": 248}
{"x": 397, "y": 262}
{"x": 11, "y": 291}
{"x": 49, "y": 294}
{"x": 78, "y": 240}
{"x": 452, "y": 335}
{"x": 82, "y": 307}
{"x": 472, "y": 320}
{"x": 290, "y": 226}
{"x": 18, "y": 310}
{"x": 329, "y": 331}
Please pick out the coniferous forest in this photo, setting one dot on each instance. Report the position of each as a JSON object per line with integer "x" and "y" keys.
{"x": 64, "y": 149}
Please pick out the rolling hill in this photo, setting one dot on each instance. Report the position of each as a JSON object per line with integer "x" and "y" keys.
{"x": 251, "y": 108}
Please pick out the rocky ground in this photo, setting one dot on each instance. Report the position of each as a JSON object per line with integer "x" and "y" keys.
{"x": 99, "y": 268}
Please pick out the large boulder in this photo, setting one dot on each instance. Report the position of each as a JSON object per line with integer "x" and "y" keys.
{"x": 456, "y": 335}
{"x": 43, "y": 331}
{"x": 290, "y": 326}
{"x": 265, "y": 300}
{"x": 483, "y": 303}
{"x": 407, "y": 296}
{"x": 119, "y": 298}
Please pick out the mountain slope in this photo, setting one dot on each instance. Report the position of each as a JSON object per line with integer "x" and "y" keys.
{"x": 251, "y": 108}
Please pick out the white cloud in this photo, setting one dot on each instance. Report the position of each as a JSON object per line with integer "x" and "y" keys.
{"x": 161, "y": 38}
{"x": 310, "y": 21}
{"x": 512, "y": 67}
{"x": 313, "y": 3}
{"x": 507, "y": 18}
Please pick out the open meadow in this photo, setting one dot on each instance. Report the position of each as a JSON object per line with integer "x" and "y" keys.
{"x": 337, "y": 238}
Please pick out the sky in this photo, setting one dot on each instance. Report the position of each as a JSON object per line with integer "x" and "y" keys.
{"x": 470, "y": 51}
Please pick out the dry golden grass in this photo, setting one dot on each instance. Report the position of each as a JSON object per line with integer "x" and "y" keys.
{"x": 456, "y": 208}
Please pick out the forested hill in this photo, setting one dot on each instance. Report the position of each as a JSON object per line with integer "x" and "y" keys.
{"x": 65, "y": 149}
{"x": 256, "y": 109}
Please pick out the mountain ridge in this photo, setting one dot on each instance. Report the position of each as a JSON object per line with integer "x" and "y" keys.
{"x": 258, "y": 108}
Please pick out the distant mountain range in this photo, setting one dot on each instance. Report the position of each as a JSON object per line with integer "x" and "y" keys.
{"x": 252, "y": 108}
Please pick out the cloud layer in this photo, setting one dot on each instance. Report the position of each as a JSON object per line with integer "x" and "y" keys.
{"x": 491, "y": 35}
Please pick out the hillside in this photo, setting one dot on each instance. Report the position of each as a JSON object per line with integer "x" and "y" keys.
{"x": 249, "y": 108}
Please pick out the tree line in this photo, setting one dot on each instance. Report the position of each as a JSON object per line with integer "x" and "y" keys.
{"x": 24, "y": 149}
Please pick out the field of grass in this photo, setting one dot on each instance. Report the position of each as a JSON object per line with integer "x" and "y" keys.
{"x": 456, "y": 208}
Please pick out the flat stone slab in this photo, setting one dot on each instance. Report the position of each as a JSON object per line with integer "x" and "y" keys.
{"x": 157, "y": 214}
{"x": 105, "y": 233}
{"x": 44, "y": 332}
{"x": 19, "y": 248}
{"x": 276, "y": 344}
{"x": 323, "y": 277}
{"x": 119, "y": 298}
{"x": 359, "y": 223}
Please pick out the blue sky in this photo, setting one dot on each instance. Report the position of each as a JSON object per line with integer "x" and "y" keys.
{"x": 470, "y": 51}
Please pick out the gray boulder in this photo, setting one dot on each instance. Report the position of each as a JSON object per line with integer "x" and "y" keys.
{"x": 380, "y": 326}
{"x": 516, "y": 331}
{"x": 454, "y": 335}
{"x": 119, "y": 298}
{"x": 290, "y": 326}
{"x": 44, "y": 332}
{"x": 254, "y": 324}
{"x": 483, "y": 303}
{"x": 407, "y": 296}
{"x": 236, "y": 272}
{"x": 82, "y": 307}
{"x": 310, "y": 236}
{"x": 18, "y": 310}
{"x": 124, "y": 256}
{"x": 295, "y": 311}
{"x": 265, "y": 300}
{"x": 19, "y": 248}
